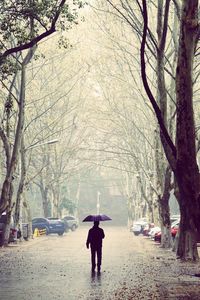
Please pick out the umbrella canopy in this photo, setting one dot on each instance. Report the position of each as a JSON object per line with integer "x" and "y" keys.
{"x": 93, "y": 218}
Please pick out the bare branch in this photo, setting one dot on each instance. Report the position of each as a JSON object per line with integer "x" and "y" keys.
{"x": 146, "y": 85}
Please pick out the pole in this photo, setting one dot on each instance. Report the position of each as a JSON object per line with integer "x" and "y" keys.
{"x": 98, "y": 202}
{"x": 41, "y": 144}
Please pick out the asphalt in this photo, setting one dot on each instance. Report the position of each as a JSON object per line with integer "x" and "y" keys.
{"x": 55, "y": 267}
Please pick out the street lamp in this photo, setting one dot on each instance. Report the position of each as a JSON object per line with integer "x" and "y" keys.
{"x": 98, "y": 202}
{"x": 41, "y": 144}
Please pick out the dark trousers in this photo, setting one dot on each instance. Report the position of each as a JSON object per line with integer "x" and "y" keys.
{"x": 96, "y": 251}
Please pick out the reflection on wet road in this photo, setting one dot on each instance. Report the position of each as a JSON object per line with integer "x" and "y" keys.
{"x": 59, "y": 267}
{"x": 53, "y": 268}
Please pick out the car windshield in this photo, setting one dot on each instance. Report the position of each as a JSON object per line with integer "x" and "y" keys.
{"x": 69, "y": 218}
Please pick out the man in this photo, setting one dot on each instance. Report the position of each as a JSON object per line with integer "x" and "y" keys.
{"x": 94, "y": 239}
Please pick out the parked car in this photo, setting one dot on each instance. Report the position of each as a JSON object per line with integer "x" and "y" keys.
{"x": 147, "y": 228}
{"x": 52, "y": 225}
{"x": 174, "y": 230}
{"x": 138, "y": 226}
{"x": 153, "y": 231}
{"x": 56, "y": 226}
{"x": 71, "y": 222}
{"x": 40, "y": 223}
{"x": 157, "y": 237}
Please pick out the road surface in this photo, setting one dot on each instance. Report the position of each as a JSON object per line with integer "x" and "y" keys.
{"x": 55, "y": 267}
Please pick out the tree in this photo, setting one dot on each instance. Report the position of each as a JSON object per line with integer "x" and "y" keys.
{"x": 22, "y": 23}
{"x": 182, "y": 157}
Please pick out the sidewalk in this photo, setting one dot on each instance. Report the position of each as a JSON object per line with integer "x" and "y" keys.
{"x": 22, "y": 244}
{"x": 159, "y": 275}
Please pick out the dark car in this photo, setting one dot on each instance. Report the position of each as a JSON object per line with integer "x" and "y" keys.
{"x": 40, "y": 224}
{"x": 71, "y": 222}
{"x": 50, "y": 225}
{"x": 56, "y": 226}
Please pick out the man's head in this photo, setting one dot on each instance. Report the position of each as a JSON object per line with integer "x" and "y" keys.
{"x": 96, "y": 223}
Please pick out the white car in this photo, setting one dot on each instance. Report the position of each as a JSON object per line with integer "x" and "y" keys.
{"x": 71, "y": 222}
{"x": 153, "y": 231}
{"x": 138, "y": 227}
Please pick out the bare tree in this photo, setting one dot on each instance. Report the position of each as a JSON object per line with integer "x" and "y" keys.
{"x": 182, "y": 158}
{"x": 33, "y": 17}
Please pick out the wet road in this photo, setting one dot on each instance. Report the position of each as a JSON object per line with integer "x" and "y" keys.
{"x": 56, "y": 267}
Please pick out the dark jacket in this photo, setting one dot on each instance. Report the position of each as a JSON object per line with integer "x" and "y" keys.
{"x": 95, "y": 236}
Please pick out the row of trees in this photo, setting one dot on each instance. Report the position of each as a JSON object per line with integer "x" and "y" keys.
{"x": 165, "y": 49}
{"x": 27, "y": 96}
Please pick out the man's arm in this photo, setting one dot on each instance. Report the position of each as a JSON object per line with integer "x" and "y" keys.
{"x": 88, "y": 240}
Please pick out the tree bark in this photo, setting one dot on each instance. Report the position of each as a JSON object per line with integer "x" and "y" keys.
{"x": 187, "y": 172}
{"x": 165, "y": 172}
{"x": 166, "y": 239}
{"x": 21, "y": 184}
{"x": 45, "y": 200}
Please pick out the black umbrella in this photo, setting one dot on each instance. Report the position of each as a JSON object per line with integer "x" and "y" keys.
{"x": 93, "y": 218}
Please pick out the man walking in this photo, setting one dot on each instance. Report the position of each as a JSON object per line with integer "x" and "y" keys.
{"x": 94, "y": 239}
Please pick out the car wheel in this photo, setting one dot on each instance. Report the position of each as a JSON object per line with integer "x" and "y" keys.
{"x": 136, "y": 233}
{"x": 73, "y": 228}
{"x": 60, "y": 233}
{"x": 47, "y": 230}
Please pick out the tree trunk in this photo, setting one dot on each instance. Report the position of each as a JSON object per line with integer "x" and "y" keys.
{"x": 190, "y": 215}
{"x": 7, "y": 189}
{"x": 6, "y": 232}
{"x": 45, "y": 201}
{"x": 166, "y": 238}
{"x": 55, "y": 201}
{"x": 21, "y": 184}
{"x": 164, "y": 173}
{"x": 187, "y": 173}
{"x": 77, "y": 198}
{"x": 151, "y": 207}
{"x": 130, "y": 212}
{"x": 29, "y": 216}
